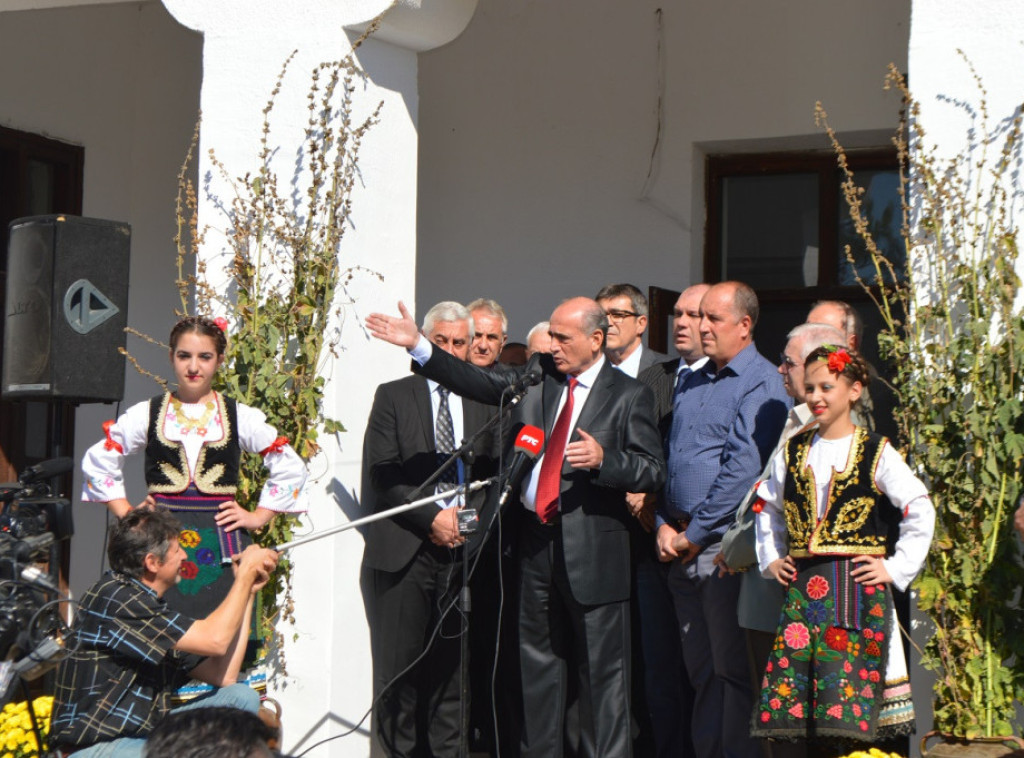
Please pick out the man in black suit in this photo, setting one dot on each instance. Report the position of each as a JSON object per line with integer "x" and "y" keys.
{"x": 626, "y": 307}
{"x": 601, "y": 441}
{"x": 653, "y": 621}
{"x": 412, "y": 562}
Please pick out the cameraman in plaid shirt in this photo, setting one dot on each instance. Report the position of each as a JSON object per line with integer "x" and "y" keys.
{"x": 133, "y": 651}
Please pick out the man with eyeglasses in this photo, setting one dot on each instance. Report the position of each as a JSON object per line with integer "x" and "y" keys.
{"x": 626, "y": 307}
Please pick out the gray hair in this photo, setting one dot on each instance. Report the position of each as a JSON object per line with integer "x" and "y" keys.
{"x": 142, "y": 531}
{"x": 814, "y": 336}
{"x": 447, "y": 311}
{"x": 594, "y": 318}
{"x": 637, "y": 300}
{"x": 541, "y": 326}
{"x": 492, "y": 307}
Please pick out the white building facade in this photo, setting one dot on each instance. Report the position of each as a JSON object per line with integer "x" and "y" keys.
{"x": 527, "y": 151}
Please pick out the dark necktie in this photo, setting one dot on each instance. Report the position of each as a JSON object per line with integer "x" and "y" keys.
{"x": 681, "y": 378}
{"x": 550, "y": 480}
{"x": 444, "y": 440}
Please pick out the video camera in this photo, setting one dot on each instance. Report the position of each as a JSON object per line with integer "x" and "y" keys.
{"x": 32, "y": 524}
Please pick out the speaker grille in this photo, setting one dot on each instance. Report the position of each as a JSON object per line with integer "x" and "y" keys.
{"x": 66, "y": 308}
{"x": 29, "y": 306}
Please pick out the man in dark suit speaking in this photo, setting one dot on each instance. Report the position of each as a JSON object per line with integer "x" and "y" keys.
{"x": 412, "y": 566}
{"x": 601, "y": 441}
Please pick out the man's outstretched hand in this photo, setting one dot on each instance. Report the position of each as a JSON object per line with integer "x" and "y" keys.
{"x": 398, "y": 330}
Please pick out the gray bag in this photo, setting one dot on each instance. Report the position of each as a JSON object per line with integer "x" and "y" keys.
{"x": 739, "y": 540}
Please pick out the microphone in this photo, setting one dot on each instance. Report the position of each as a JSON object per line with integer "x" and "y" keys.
{"x": 47, "y": 469}
{"x": 529, "y": 443}
{"x": 532, "y": 374}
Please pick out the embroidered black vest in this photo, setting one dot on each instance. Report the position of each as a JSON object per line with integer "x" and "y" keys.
{"x": 167, "y": 467}
{"x": 856, "y": 521}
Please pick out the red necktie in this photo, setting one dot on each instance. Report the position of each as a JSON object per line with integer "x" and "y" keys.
{"x": 550, "y": 480}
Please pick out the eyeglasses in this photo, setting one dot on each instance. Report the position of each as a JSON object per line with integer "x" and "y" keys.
{"x": 621, "y": 315}
{"x": 785, "y": 359}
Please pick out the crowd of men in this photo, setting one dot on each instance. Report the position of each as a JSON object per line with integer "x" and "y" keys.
{"x": 600, "y": 583}
{"x": 610, "y": 549}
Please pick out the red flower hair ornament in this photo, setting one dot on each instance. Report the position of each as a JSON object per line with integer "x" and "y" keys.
{"x": 838, "y": 360}
{"x": 222, "y": 323}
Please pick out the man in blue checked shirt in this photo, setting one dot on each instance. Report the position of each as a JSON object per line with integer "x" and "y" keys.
{"x": 726, "y": 418}
{"x": 130, "y": 651}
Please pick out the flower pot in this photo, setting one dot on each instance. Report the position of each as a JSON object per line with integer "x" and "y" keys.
{"x": 948, "y": 746}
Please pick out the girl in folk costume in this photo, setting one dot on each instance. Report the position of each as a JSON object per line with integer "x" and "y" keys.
{"x": 193, "y": 439}
{"x": 837, "y": 668}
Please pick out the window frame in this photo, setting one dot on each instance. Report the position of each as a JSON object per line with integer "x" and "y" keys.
{"x": 823, "y": 163}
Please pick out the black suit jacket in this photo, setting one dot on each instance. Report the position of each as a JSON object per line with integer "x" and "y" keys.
{"x": 661, "y": 378}
{"x": 649, "y": 358}
{"x": 619, "y": 414}
{"x": 399, "y": 454}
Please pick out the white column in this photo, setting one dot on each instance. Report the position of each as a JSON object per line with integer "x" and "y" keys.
{"x": 328, "y": 686}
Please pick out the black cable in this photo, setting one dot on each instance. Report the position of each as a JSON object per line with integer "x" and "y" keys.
{"x": 394, "y": 679}
{"x": 453, "y": 602}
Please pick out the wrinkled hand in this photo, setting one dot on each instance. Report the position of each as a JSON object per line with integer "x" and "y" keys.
{"x": 665, "y": 537}
{"x": 723, "y": 567}
{"x": 641, "y": 506}
{"x": 870, "y": 570}
{"x": 585, "y": 453}
{"x": 149, "y": 502}
{"x": 398, "y": 330}
{"x": 259, "y": 561}
{"x": 445, "y": 529}
{"x": 783, "y": 570}
{"x": 232, "y": 516}
{"x": 686, "y": 550}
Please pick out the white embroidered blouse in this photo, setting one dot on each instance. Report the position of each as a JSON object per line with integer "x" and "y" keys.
{"x": 102, "y": 464}
{"x": 893, "y": 478}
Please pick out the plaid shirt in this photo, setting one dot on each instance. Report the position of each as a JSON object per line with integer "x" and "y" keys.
{"x": 119, "y": 681}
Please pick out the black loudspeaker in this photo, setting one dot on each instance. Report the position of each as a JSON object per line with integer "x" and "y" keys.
{"x": 66, "y": 309}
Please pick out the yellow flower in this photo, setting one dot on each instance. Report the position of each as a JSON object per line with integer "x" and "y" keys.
{"x": 188, "y": 538}
{"x": 784, "y": 689}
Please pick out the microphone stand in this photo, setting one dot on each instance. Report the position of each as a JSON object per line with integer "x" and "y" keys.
{"x": 461, "y": 489}
{"x": 466, "y": 453}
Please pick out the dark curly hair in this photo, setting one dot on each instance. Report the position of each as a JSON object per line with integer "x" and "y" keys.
{"x": 141, "y": 531}
{"x": 217, "y": 732}
{"x": 201, "y": 325}
{"x": 856, "y": 369}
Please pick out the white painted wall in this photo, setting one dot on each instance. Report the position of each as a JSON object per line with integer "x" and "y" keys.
{"x": 122, "y": 81}
{"x": 328, "y": 684}
{"x": 992, "y": 39}
{"x": 537, "y": 126}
